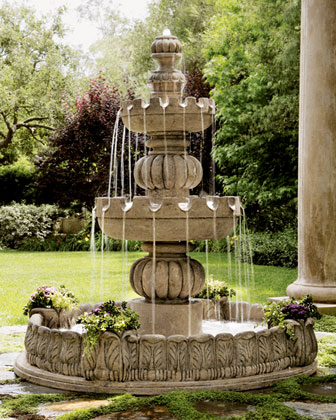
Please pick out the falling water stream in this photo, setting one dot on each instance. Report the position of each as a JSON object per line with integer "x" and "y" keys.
{"x": 154, "y": 206}
{"x": 242, "y": 248}
{"x": 93, "y": 254}
{"x": 185, "y": 206}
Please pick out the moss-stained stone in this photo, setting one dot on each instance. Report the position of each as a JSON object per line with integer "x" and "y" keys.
{"x": 11, "y": 342}
{"x": 56, "y": 409}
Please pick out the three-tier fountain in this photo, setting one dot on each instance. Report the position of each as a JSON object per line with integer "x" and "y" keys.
{"x": 170, "y": 350}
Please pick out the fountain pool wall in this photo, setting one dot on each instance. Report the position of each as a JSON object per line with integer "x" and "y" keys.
{"x": 152, "y": 363}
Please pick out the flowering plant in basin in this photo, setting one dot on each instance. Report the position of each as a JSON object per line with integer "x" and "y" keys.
{"x": 51, "y": 297}
{"x": 277, "y": 313}
{"x": 215, "y": 290}
{"x": 107, "y": 316}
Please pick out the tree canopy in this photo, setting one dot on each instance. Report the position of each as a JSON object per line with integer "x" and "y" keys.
{"x": 35, "y": 71}
{"x": 124, "y": 54}
{"x": 252, "y": 54}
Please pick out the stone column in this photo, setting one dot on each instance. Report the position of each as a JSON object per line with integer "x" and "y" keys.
{"x": 317, "y": 154}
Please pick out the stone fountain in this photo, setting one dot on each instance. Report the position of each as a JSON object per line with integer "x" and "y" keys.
{"x": 170, "y": 350}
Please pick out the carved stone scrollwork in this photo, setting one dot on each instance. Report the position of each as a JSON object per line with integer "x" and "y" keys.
{"x": 88, "y": 360}
{"x": 177, "y": 355}
{"x": 153, "y": 357}
{"x": 43, "y": 337}
{"x": 133, "y": 357}
{"x": 111, "y": 349}
{"x": 265, "y": 350}
{"x": 54, "y": 350}
{"x": 31, "y": 343}
{"x": 225, "y": 355}
{"x": 202, "y": 357}
{"x": 70, "y": 353}
{"x": 310, "y": 341}
{"x": 280, "y": 344}
{"x": 247, "y": 352}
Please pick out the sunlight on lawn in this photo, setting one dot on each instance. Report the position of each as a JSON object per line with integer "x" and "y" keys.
{"x": 98, "y": 279}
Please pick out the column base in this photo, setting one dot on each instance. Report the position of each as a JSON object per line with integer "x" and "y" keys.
{"x": 320, "y": 293}
{"x": 170, "y": 319}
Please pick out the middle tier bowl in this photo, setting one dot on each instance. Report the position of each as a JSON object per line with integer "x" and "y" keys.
{"x": 205, "y": 218}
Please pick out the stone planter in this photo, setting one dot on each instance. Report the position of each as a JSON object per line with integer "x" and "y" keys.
{"x": 59, "y": 319}
{"x": 213, "y": 309}
{"x": 70, "y": 225}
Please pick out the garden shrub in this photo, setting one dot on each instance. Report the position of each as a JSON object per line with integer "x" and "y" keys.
{"x": 268, "y": 248}
{"x": 276, "y": 248}
{"x": 17, "y": 182}
{"x": 21, "y": 221}
{"x": 326, "y": 323}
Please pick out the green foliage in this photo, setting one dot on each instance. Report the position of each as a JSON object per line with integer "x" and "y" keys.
{"x": 187, "y": 19}
{"x": 51, "y": 298}
{"x": 27, "y": 403}
{"x": 263, "y": 248}
{"x": 252, "y": 53}
{"x": 107, "y": 316}
{"x": 215, "y": 290}
{"x": 327, "y": 351}
{"x": 76, "y": 167}
{"x": 277, "y": 313}
{"x": 21, "y": 221}
{"x": 22, "y": 272}
{"x": 78, "y": 242}
{"x": 17, "y": 182}
{"x": 275, "y": 248}
{"x": 326, "y": 323}
{"x": 35, "y": 71}
{"x": 181, "y": 403}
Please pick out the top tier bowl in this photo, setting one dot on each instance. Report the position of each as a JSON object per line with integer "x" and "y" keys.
{"x": 168, "y": 114}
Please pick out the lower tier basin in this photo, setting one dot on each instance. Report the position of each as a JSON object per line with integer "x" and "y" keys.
{"x": 202, "y": 218}
{"x": 153, "y": 363}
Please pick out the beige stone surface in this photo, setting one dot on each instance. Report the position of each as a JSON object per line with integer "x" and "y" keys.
{"x": 169, "y": 319}
{"x": 57, "y": 381}
{"x": 72, "y": 405}
{"x": 171, "y": 222}
{"x": 169, "y": 274}
{"x": 317, "y": 154}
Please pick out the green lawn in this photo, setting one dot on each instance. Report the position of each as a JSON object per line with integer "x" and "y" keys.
{"x": 96, "y": 279}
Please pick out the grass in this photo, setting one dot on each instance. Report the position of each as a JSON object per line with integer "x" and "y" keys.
{"x": 98, "y": 278}
{"x": 327, "y": 351}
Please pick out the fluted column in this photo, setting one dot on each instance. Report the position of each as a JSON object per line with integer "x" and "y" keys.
{"x": 317, "y": 153}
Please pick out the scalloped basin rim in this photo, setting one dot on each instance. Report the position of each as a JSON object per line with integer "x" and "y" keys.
{"x": 190, "y": 116}
{"x": 171, "y": 222}
{"x": 169, "y": 207}
{"x": 188, "y": 104}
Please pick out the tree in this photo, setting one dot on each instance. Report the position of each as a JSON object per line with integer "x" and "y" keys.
{"x": 252, "y": 49}
{"x": 124, "y": 53}
{"x": 76, "y": 168}
{"x": 35, "y": 71}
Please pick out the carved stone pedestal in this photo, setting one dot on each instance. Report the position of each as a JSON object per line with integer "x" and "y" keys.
{"x": 167, "y": 273}
{"x": 169, "y": 318}
{"x": 167, "y": 278}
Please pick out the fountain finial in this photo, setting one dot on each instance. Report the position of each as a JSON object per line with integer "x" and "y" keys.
{"x": 166, "y": 81}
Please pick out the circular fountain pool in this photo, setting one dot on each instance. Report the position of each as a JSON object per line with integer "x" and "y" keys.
{"x": 132, "y": 363}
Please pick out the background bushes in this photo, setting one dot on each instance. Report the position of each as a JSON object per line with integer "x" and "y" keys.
{"x": 275, "y": 248}
{"x": 17, "y": 182}
{"x": 268, "y": 248}
{"x": 21, "y": 221}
